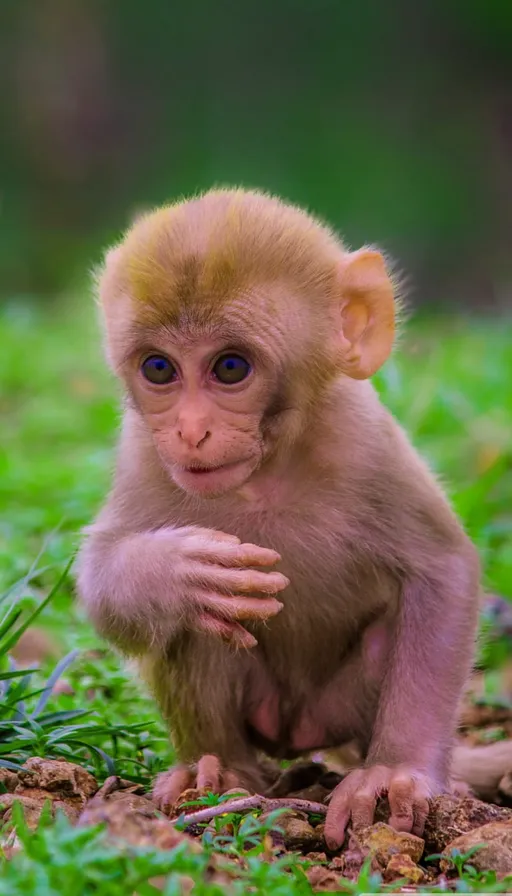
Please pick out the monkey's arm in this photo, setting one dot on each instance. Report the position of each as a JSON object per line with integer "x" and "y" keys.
{"x": 141, "y": 588}
{"x": 429, "y": 660}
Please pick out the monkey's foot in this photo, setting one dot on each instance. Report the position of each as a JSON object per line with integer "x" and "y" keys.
{"x": 205, "y": 775}
{"x": 355, "y": 799}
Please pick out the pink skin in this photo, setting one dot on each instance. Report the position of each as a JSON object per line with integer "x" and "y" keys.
{"x": 212, "y": 481}
{"x": 207, "y": 433}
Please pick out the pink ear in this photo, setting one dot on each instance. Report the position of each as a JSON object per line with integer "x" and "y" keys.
{"x": 367, "y": 313}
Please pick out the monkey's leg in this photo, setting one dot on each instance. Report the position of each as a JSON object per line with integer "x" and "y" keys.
{"x": 201, "y": 694}
{"x": 412, "y": 735}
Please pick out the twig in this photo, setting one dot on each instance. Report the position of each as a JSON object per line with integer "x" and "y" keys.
{"x": 110, "y": 785}
{"x": 246, "y": 803}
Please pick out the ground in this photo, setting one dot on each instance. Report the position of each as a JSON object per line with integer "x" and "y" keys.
{"x": 450, "y": 384}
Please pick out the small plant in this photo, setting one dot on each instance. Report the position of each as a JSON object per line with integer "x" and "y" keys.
{"x": 26, "y": 728}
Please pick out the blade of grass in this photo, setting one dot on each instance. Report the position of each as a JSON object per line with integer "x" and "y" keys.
{"x": 52, "y": 680}
{"x": 10, "y": 642}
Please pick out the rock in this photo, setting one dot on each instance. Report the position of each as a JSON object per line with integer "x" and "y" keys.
{"x": 298, "y": 834}
{"x": 58, "y": 777}
{"x": 64, "y": 785}
{"x": 382, "y": 842}
{"x": 32, "y": 809}
{"x": 450, "y": 817}
{"x": 136, "y": 820}
{"x": 496, "y": 852}
{"x": 8, "y": 779}
{"x": 182, "y": 804}
{"x": 293, "y": 831}
{"x": 323, "y": 880}
{"x": 402, "y": 866}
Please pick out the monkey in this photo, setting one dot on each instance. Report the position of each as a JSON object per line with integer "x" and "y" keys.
{"x": 281, "y": 562}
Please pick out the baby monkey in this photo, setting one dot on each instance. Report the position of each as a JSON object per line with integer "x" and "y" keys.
{"x": 273, "y": 551}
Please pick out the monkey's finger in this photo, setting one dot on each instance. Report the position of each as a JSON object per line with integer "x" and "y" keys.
{"x": 338, "y": 816}
{"x": 363, "y": 805}
{"x": 421, "y": 809}
{"x": 253, "y": 555}
{"x": 401, "y": 799}
{"x": 230, "y": 553}
{"x": 236, "y": 580}
{"x": 231, "y": 632}
{"x": 170, "y": 785}
{"x": 208, "y": 774}
{"x": 241, "y": 608}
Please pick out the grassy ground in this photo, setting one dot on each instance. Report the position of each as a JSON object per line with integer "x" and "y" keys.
{"x": 450, "y": 385}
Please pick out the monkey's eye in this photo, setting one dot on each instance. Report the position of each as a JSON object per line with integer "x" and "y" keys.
{"x": 231, "y": 369}
{"x": 158, "y": 370}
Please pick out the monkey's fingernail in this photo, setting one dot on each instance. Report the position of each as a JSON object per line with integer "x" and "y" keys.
{"x": 246, "y": 640}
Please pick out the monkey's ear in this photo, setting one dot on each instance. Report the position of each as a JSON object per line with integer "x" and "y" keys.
{"x": 367, "y": 314}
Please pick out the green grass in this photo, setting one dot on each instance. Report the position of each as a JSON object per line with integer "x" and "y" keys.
{"x": 450, "y": 385}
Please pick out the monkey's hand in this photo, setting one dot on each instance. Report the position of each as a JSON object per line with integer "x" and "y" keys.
{"x": 205, "y": 775}
{"x": 355, "y": 799}
{"x": 219, "y": 585}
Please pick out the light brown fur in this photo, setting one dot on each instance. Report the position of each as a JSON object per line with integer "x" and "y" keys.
{"x": 372, "y": 636}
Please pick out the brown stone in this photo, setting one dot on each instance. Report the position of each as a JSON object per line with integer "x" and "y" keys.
{"x": 136, "y": 820}
{"x": 323, "y": 880}
{"x": 57, "y": 777}
{"x": 382, "y": 842}
{"x": 402, "y": 866}
{"x": 298, "y": 834}
{"x": 495, "y": 854}
{"x": 9, "y": 779}
{"x": 63, "y": 785}
{"x": 450, "y": 817}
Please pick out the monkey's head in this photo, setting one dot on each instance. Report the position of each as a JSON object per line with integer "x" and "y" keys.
{"x": 228, "y": 317}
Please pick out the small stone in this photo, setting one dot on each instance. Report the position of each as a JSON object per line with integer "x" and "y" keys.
{"x": 495, "y": 854}
{"x": 298, "y": 834}
{"x": 382, "y": 842}
{"x": 450, "y": 817}
{"x": 323, "y": 880}
{"x": 9, "y": 779}
{"x": 402, "y": 866}
{"x": 64, "y": 785}
{"x": 57, "y": 776}
{"x": 135, "y": 820}
{"x": 31, "y": 809}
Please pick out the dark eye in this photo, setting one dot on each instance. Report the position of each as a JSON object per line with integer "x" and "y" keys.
{"x": 158, "y": 370}
{"x": 231, "y": 369}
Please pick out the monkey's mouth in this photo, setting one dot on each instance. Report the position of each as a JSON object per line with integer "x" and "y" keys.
{"x": 204, "y": 479}
{"x": 200, "y": 471}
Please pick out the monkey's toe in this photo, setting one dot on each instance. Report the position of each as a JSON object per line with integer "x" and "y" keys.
{"x": 170, "y": 785}
{"x": 206, "y": 776}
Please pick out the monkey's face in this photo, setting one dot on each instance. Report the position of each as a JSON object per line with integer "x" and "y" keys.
{"x": 205, "y": 404}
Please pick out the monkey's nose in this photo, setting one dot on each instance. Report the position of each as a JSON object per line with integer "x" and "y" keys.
{"x": 194, "y": 437}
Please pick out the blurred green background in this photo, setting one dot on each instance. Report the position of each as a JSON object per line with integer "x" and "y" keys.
{"x": 392, "y": 119}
